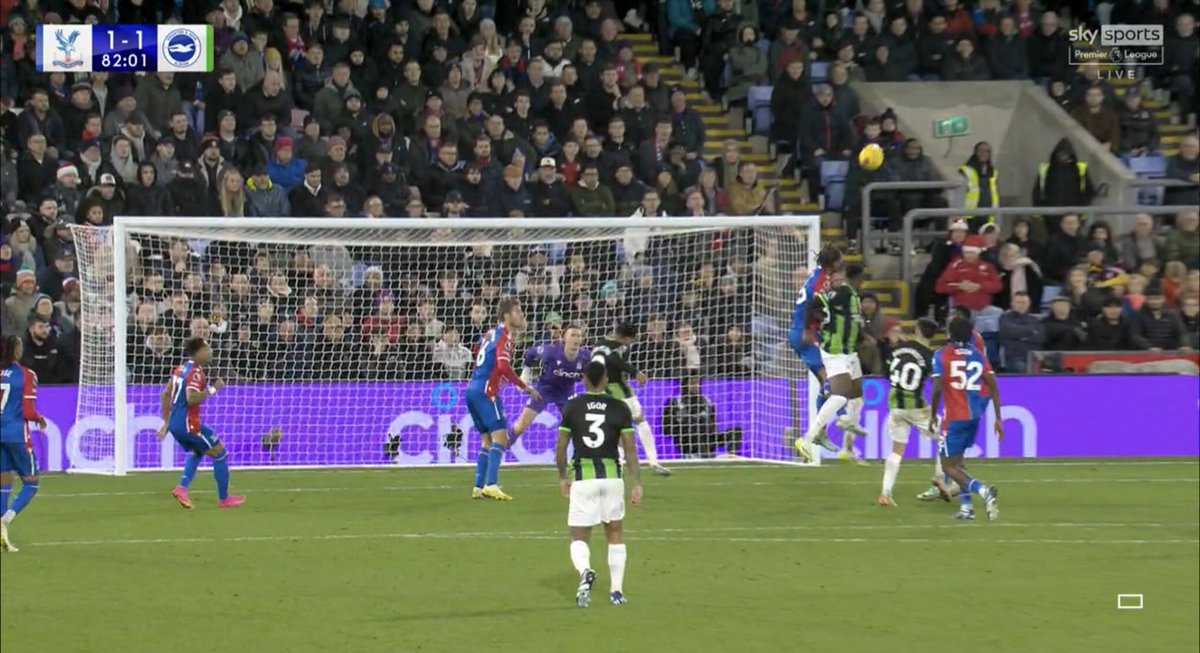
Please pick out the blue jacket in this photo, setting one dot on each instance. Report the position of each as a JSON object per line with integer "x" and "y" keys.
{"x": 681, "y": 17}
{"x": 289, "y": 176}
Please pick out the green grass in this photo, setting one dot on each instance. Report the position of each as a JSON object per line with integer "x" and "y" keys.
{"x": 734, "y": 558}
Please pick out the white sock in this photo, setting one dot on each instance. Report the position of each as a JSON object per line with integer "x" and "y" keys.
{"x": 937, "y": 468}
{"x": 828, "y": 411}
{"x": 616, "y": 566}
{"x": 891, "y": 467}
{"x": 581, "y": 556}
{"x": 854, "y": 408}
{"x": 8, "y": 517}
{"x": 647, "y": 438}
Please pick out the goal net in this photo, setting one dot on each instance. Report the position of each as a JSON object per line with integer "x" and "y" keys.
{"x": 349, "y": 342}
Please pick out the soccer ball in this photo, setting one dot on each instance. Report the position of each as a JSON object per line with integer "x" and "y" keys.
{"x": 871, "y": 157}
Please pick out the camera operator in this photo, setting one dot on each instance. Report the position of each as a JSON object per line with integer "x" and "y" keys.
{"x": 691, "y": 421}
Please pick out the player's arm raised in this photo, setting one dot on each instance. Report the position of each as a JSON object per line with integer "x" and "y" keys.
{"x": 989, "y": 382}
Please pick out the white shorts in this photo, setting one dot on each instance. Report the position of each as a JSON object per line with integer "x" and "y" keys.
{"x": 596, "y": 501}
{"x": 635, "y": 407}
{"x": 902, "y": 420}
{"x": 836, "y": 364}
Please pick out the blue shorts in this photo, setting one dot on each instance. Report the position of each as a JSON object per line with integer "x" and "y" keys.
{"x": 960, "y": 436}
{"x": 547, "y": 399}
{"x": 18, "y": 458}
{"x": 810, "y": 354}
{"x": 486, "y": 413}
{"x": 197, "y": 443}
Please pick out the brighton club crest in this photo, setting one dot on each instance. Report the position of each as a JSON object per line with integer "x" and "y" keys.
{"x": 66, "y": 47}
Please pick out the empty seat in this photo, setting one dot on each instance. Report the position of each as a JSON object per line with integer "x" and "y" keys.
{"x": 758, "y": 103}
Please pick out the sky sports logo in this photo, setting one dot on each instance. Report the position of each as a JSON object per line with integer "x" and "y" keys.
{"x": 1122, "y": 45}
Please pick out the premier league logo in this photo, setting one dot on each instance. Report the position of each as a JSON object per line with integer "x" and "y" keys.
{"x": 66, "y": 47}
{"x": 181, "y": 48}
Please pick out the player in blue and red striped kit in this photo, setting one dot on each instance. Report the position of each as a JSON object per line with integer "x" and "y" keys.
{"x": 961, "y": 372}
{"x": 181, "y": 399}
{"x": 562, "y": 365}
{"x": 493, "y": 366}
{"x": 18, "y": 407}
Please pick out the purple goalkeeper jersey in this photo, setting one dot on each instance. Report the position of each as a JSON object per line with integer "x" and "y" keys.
{"x": 559, "y": 374}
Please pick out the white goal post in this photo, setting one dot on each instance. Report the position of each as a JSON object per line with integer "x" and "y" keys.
{"x": 347, "y": 342}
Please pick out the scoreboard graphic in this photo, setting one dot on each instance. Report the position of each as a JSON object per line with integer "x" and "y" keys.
{"x": 125, "y": 48}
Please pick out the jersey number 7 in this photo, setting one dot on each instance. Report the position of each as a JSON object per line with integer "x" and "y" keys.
{"x": 596, "y": 430}
{"x": 5, "y": 389}
{"x": 965, "y": 375}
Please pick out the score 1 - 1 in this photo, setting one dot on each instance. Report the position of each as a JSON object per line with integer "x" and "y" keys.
{"x": 125, "y": 48}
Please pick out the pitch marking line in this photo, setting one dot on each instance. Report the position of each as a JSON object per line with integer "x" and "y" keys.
{"x": 645, "y": 536}
{"x": 423, "y": 488}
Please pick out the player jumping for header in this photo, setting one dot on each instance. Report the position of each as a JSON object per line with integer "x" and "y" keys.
{"x": 493, "y": 366}
{"x": 611, "y": 351}
{"x": 598, "y": 426}
{"x": 18, "y": 407}
{"x": 969, "y": 371}
{"x": 840, "y": 317}
{"x": 804, "y": 335}
{"x": 562, "y": 366}
{"x": 185, "y": 392}
{"x": 908, "y": 368}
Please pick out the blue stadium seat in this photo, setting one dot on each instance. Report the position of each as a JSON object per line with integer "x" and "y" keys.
{"x": 758, "y": 103}
{"x": 833, "y": 180}
{"x": 819, "y": 71}
{"x": 1148, "y": 167}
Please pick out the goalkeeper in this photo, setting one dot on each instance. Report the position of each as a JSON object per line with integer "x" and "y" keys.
{"x": 611, "y": 351}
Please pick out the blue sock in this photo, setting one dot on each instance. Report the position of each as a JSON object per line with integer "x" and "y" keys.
{"x": 5, "y": 490}
{"x": 481, "y": 467}
{"x": 221, "y": 474}
{"x": 977, "y": 486}
{"x": 28, "y": 491}
{"x": 495, "y": 457}
{"x": 189, "y": 471}
{"x": 965, "y": 497}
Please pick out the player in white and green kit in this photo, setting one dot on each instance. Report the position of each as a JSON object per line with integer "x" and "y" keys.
{"x": 612, "y": 351}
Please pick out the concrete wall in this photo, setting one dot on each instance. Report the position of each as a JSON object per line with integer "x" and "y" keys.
{"x": 1017, "y": 118}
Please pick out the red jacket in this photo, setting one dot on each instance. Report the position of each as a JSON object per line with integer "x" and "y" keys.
{"x": 980, "y": 272}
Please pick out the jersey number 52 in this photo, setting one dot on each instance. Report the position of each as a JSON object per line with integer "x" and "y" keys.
{"x": 965, "y": 375}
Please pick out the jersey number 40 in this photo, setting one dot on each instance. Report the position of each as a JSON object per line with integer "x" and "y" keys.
{"x": 905, "y": 375}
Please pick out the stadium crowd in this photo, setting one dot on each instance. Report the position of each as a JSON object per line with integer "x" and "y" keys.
{"x": 531, "y": 108}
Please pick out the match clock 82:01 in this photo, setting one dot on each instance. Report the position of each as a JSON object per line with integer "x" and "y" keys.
{"x": 125, "y": 48}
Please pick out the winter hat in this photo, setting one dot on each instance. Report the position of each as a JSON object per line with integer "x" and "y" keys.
{"x": 67, "y": 169}
{"x": 26, "y": 272}
{"x": 282, "y": 142}
{"x": 973, "y": 244}
{"x": 70, "y": 283}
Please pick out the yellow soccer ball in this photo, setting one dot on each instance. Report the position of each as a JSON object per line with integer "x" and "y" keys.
{"x": 871, "y": 157}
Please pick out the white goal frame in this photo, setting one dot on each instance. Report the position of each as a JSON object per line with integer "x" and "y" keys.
{"x": 122, "y": 226}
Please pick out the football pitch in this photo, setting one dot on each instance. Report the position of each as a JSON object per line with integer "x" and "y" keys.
{"x": 736, "y": 557}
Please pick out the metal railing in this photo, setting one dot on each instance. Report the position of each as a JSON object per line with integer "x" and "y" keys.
{"x": 865, "y": 235}
{"x": 915, "y": 214}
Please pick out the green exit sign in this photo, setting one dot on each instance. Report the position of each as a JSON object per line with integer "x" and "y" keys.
{"x": 948, "y": 127}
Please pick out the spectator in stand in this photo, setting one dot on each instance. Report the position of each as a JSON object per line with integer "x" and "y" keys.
{"x": 1087, "y": 77}
{"x": 690, "y": 420}
{"x": 1064, "y": 331}
{"x": 913, "y": 165}
{"x": 684, "y": 21}
{"x": 1190, "y": 312}
{"x": 747, "y": 194}
{"x": 825, "y": 134}
{"x": 1063, "y": 181}
{"x": 1141, "y": 244}
{"x": 980, "y": 176}
{"x": 936, "y": 46}
{"x": 266, "y": 198}
{"x": 1019, "y": 274}
{"x": 966, "y": 64}
{"x": 747, "y": 65}
{"x": 970, "y": 281}
{"x": 1185, "y": 166}
{"x": 1183, "y": 242}
{"x": 791, "y": 90}
{"x": 959, "y": 21}
{"x": 1157, "y": 327}
{"x": 1139, "y": 127}
{"x": 1048, "y": 50}
{"x": 1065, "y": 248}
{"x": 452, "y": 356}
{"x": 147, "y": 196}
{"x": 44, "y": 355}
{"x": 1100, "y": 121}
{"x": 1110, "y": 330}
{"x": 1179, "y": 60}
{"x": 1008, "y": 51}
{"x": 902, "y": 58}
{"x": 1020, "y": 334}
{"x": 1085, "y": 300}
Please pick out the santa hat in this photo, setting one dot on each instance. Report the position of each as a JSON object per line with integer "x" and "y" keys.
{"x": 973, "y": 244}
{"x": 958, "y": 225}
{"x": 67, "y": 169}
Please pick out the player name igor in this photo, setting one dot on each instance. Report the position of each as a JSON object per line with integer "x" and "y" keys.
{"x": 125, "y": 48}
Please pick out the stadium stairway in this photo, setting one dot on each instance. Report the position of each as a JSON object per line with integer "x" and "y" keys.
{"x": 1171, "y": 127}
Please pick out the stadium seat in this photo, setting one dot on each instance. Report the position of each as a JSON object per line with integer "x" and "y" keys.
{"x": 1148, "y": 167}
{"x": 833, "y": 180}
{"x": 819, "y": 71}
{"x": 758, "y": 103}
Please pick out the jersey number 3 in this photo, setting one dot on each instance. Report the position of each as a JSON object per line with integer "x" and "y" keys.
{"x": 965, "y": 375}
{"x": 595, "y": 436}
